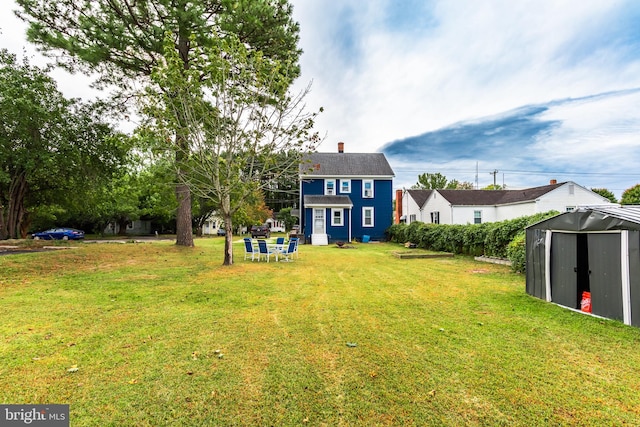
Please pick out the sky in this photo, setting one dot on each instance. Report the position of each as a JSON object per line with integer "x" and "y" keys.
{"x": 536, "y": 90}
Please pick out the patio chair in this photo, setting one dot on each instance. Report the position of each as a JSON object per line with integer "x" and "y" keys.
{"x": 248, "y": 249}
{"x": 280, "y": 243}
{"x": 290, "y": 250}
{"x": 263, "y": 251}
{"x": 296, "y": 241}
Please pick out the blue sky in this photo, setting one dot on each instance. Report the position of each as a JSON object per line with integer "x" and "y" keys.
{"x": 536, "y": 89}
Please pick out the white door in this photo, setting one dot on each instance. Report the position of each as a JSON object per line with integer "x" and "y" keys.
{"x": 318, "y": 221}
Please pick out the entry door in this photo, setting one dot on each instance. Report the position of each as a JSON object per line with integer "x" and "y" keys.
{"x": 318, "y": 221}
{"x": 564, "y": 268}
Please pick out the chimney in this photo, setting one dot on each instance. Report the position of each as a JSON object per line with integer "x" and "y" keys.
{"x": 398, "y": 206}
{"x": 340, "y": 147}
{"x": 553, "y": 182}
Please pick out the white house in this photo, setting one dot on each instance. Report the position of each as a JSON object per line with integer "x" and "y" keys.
{"x": 479, "y": 206}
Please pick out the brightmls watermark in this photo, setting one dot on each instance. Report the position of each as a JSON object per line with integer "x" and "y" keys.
{"x": 34, "y": 415}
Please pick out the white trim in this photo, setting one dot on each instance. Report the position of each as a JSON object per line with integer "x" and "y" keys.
{"x": 547, "y": 264}
{"x": 333, "y": 223}
{"x": 326, "y": 187}
{"x": 345, "y": 180}
{"x": 364, "y": 183}
{"x": 368, "y": 208}
{"x": 377, "y": 177}
{"x": 350, "y": 222}
{"x": 324, "y": 220}
{"x": 626, "y": 281}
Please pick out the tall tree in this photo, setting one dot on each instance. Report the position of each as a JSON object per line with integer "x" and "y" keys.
{"x": 49, "y": 146}
{"x": 605, "y": 193}
{"x": 631, "y": 196}
{"x": 437, "y": 181}
{"x": 238, "y": 121}
{"x": 122, "y": 40}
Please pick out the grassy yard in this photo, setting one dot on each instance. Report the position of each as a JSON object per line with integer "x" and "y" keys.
{"x": 150, "y": 334}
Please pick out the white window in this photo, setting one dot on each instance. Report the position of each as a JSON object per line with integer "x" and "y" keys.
{"x": 572, "y": 189}
{"x": 336, "y": 217}
{"x": 435, "y": 217}
{"x": 367, "y": 217}
{"x": 345, "y": 186}
{"x": 412, "y": 218}
{"x": 330, "y": 187}
{"x": 477, "y": 217}
{"x": 367, "y": 189}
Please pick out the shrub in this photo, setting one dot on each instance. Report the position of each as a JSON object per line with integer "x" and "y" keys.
{"x": 516, "y": 252}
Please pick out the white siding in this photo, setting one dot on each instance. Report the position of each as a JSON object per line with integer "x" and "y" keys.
{"x": 437, "y": 203}
{"x": 558, "y": 199}
{"x": 561, "y": 198}
{"x": 410, "y": 207}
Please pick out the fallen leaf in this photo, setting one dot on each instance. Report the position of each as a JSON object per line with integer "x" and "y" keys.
{"x": 352, "y": 344}
{"x": 133, "y": 381}
{"x": 73, "y": 368}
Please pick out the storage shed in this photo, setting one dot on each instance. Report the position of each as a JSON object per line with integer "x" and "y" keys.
{"x": 592, "y": 249}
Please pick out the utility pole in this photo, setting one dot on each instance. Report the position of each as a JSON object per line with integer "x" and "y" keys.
{"x": 494, "y": 173}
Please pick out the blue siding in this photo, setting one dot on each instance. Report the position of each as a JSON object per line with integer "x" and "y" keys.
{"x": 382, "y": 204}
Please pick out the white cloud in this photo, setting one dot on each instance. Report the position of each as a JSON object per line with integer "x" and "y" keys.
{"x": 479, "y": 59}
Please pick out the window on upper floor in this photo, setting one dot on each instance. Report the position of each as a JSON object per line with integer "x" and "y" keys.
{"x": 367, "y": 189}
{"x": 367, "y": 217}
{"x": 330, "y": 187}
{"x": 345, "y": 186}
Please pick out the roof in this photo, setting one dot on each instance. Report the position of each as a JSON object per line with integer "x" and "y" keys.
{"x": 420, "y": 196}
{"x": 594, "y": 218}
{"x": 496, "y": 197}
{"x": 346, "y": 164}
{"x": 319, "y": 200}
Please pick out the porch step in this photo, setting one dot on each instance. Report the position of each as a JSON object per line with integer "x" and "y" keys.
{"x": 319, "y": 239}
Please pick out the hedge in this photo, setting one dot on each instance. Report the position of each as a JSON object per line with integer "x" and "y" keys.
{"x": 504, "y": 239}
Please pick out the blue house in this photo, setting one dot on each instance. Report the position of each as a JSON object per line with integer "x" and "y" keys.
{"x": 345, "y": 196}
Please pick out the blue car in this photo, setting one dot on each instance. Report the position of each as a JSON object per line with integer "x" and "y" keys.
{"x": 59, "y": 234}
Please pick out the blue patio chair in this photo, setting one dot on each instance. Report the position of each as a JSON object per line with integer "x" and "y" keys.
{"x": 296, "y": 241}
{"x": 279, "y": 243}
{"x": 263, "y": 251}
{"x": 248, "y": 249}
{"x": 290, "y": 250}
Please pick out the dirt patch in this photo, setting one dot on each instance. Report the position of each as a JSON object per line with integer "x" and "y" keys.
{"x": 15, "y": 250}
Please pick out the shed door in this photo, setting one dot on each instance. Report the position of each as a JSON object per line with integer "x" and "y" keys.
{"x": 564, "y": 266}
{"x": 606, "y": 276}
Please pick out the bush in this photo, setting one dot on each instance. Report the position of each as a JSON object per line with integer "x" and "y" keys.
{"x": 517, "y": 253}
{"x": 505, "y": 239}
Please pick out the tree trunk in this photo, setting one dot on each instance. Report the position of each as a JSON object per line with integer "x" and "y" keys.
{"x": 122, "y": 226}
{"x": 3, "y": 224}
{"x": 15, "y": 213}
{"x": 228, "y": 227}
{"x": 184, "y": 231}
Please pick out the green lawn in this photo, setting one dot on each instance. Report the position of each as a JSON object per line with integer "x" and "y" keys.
{"x": 162, "y": 335}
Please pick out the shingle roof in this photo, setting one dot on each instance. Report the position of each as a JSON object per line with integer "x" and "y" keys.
{"x": 346, "y": 164}
{"x": 420, "y": 196}
{"x": 311, "y": 200}
{"x": 495, "y": 197}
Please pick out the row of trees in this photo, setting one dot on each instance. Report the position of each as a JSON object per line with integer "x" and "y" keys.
{"x": 216, "y": 77}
